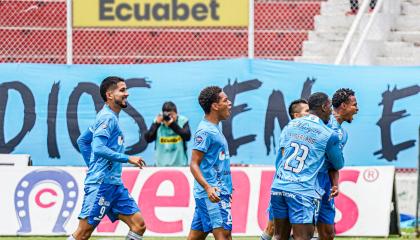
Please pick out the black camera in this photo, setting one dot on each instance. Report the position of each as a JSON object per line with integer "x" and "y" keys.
{"x": 166, "y": 116}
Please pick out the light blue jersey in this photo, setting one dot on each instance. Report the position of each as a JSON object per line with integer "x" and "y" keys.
{"x": 107, "y": 156}
{"x": 327, "y": 207}
{"x": 215, "y": 165}
{"x": 342, "y": 136}
{"x": 281, "y": 146}
{"x": 306, "y": 142}
{"x": 342, "y": 133}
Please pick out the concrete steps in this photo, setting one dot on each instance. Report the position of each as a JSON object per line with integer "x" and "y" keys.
{"x": 321, "y": 48}
{"x": 401, "y": 41}
{"x": 315, "y": 59}
{"x": 331, "y": 28}
{"x": 399, "y": 49}
{"x": 405, "y": 36}
{"x": 403, "y": 45}
{"x": 410, "y": 8}
{"x": 408, "y": 23}
{"x": 398, "y": 61}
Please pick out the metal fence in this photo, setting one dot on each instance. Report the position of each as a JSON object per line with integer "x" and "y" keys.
{"x": 36, "y": 31}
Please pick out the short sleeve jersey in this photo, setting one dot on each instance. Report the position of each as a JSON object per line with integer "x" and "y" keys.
{"x": 342, "y": 136}
{"x": 304, "y": 141}
{"x": 215, "y": 165}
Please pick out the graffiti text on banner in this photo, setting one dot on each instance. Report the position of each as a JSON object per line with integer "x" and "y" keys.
{"x": 43, "y": 108}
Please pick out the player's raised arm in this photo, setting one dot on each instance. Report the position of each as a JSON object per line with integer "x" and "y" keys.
{"x": 334, "y": 152}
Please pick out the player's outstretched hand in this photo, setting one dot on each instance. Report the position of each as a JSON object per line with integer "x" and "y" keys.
{"x": 137, "y": 161}
{"x": 212, "y": 194}
{"x": 334, "y": 192}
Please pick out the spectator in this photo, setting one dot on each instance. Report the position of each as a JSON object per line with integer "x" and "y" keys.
{"x": 170, "y": 131}
{"x": 354, "y": 7}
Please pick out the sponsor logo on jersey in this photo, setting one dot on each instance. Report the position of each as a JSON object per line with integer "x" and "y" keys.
{"x": 198, "y": 139}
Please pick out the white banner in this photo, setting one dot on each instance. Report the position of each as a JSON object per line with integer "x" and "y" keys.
{"x": 47, "y": 201}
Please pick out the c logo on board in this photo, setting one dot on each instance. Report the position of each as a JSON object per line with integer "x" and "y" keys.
{"x": 23, "y": 189}
{"x": 48, "y": 192}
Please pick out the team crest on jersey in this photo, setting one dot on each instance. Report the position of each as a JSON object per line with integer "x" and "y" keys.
{"x": 120, "y": 140}
{"x": 198, "y": 139}
{"x": 222, "y": 155}
{"x": 104, "y": 126}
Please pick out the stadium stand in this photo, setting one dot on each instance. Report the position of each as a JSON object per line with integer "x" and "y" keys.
{"x": 393, "y": 40}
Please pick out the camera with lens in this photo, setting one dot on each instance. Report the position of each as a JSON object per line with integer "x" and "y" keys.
{"x": 166, "y": 116}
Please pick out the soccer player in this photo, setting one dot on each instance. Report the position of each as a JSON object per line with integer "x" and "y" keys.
{"x": 298, "y": 108}
{"x": 105, "y": 193}
{"x": 210, "y": 166}
{"x": 345, "y": 107}
{"x": 307, "y": 142}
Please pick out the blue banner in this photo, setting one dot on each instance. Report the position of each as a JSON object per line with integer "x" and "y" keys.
{"x": 43, "y": 108}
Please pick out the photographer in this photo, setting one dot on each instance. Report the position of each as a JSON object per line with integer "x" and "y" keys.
{"x": 171, "y": 132}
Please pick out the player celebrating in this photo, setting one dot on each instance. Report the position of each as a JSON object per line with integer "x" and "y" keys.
{"x": 298, "y": 108}
{"x": 105, "y": 193}
{"x": 307, "y": 142}
{"x": 210, "y": 167}
{"x": 345, "y": 107}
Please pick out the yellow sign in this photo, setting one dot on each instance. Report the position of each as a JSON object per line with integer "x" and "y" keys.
{"x": 170, "y": 140}
{"x": 160, "y": 13}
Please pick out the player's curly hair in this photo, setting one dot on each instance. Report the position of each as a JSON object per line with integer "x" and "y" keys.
{"x": 340, "y": 96}
{"x": 208, "y": 96}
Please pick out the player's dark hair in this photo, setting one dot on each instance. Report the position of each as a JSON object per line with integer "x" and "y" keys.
{"x": 208, "y": 96}
{"x": 168, "y": 107}
{"x": 293, "y": 107}
{"x": 317, "y": 100}
{"x": 340, "y": 96}
{"x": 107, "y": 84}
